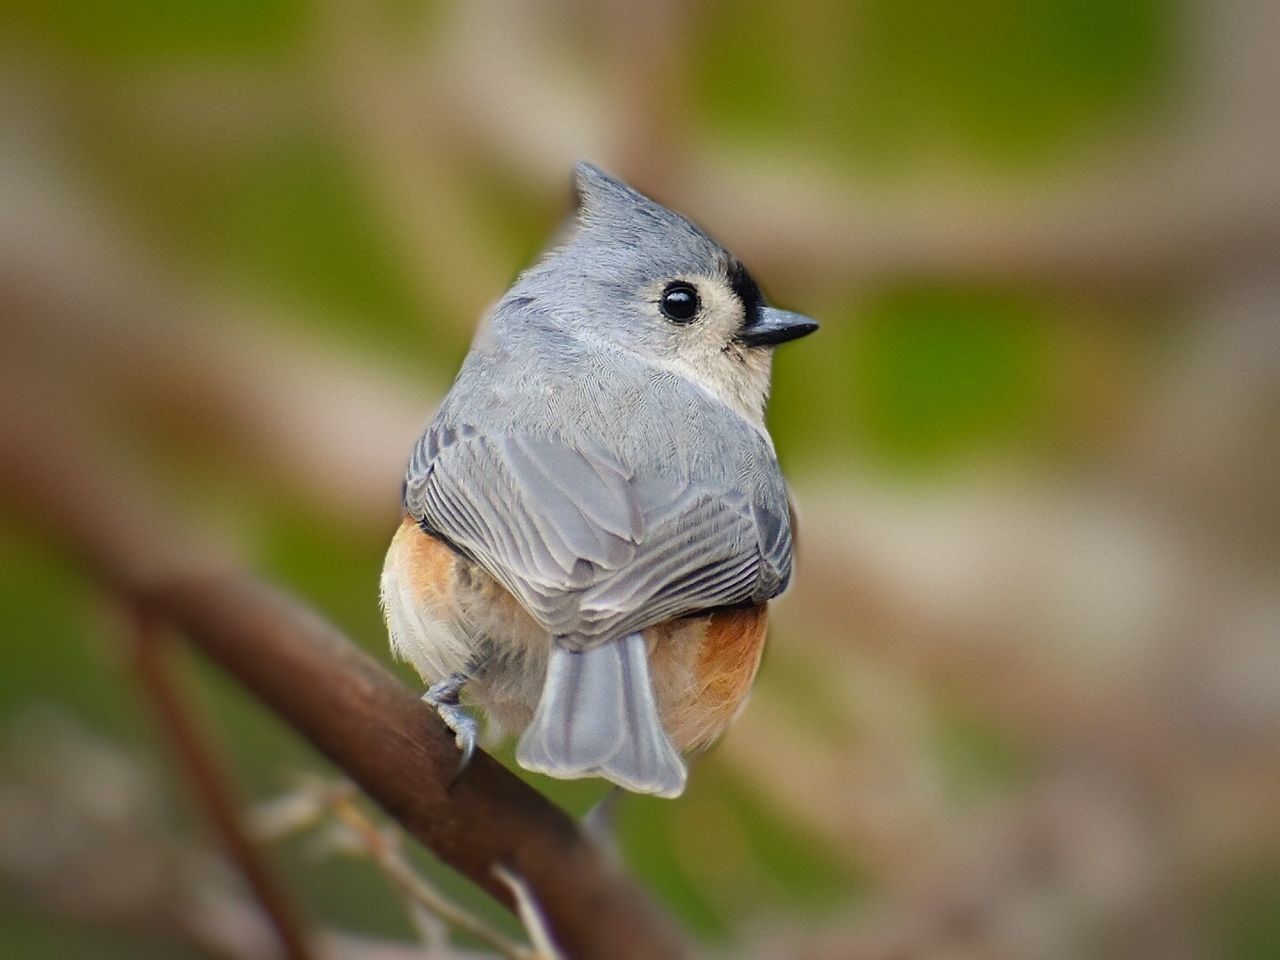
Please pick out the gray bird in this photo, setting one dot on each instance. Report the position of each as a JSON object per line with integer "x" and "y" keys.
{"x": 595, "y": 519}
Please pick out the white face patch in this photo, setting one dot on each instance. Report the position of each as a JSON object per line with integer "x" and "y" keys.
{"x": 705, "y": 351}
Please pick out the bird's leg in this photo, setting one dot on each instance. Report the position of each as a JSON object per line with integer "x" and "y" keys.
{"x": 443, "y": 696}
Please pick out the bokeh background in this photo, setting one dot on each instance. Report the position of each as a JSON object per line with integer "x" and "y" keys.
{"x": 1023, "y": 698}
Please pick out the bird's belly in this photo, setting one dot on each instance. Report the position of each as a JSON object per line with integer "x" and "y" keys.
{"x": 447, "y": 615}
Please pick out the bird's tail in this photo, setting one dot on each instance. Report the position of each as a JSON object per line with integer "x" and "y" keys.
{"x": 598, "y": 718}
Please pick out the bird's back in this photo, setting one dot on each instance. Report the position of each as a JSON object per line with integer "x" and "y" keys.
{"x": 702, "y": 482}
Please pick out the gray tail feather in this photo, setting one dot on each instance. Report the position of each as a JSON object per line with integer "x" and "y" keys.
{"x": 598, "y": 718}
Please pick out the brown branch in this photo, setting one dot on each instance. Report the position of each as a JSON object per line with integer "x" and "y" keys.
{"x": 340, "y": 699}
{"x": 212, "y": 788}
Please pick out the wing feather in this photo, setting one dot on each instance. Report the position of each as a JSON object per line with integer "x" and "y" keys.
{"x": 592, "y": 549}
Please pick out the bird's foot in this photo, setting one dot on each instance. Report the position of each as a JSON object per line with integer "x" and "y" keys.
{"x": 443, "y": 696}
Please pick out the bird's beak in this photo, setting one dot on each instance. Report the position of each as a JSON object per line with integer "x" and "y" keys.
{"x": 771, "y": 327}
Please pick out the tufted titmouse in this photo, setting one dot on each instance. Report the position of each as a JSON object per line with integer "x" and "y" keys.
{"x": 595, "y": 519}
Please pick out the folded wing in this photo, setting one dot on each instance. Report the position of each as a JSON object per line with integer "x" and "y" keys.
{"x": 593, "y": 549}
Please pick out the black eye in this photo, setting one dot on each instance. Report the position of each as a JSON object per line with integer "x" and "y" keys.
{"x": 679, "y": 302}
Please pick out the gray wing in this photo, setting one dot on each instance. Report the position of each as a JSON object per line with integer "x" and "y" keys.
{"x": 592, "y": 549}
{"x": 706, "y": 548}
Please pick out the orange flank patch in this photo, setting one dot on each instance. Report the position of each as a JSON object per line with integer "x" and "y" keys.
{"x": 425, "y": 561}
{"x": 723, "y": 669}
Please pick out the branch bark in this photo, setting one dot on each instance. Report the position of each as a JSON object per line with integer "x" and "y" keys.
{"x": 346, "y": 704}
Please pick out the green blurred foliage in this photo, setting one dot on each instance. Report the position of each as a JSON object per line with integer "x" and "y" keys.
{"x": 137, "y": 34}
{"x": 34, "y": 936}
{"x": 884, "y": 85}
{"x": 287, "y": 215}
{"x": 917, "y": 377}
{"x": 977, "y": 756}
{"x": 54, "y": 650}
{"x": 936, "y": 373}
{"x": 1248, "y": 917}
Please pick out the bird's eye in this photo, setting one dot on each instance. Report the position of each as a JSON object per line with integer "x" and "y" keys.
{"x": 679, "y": 302}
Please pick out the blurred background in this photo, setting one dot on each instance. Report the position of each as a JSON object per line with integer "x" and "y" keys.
{"x": 1023, "y": 699}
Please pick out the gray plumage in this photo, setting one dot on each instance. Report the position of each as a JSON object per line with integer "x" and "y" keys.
{"x": 611, "y": 469}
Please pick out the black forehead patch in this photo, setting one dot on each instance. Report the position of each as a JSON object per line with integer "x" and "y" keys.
{"x": 746, "y": 290}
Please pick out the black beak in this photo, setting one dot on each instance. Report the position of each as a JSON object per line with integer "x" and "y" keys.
{"x": 770, "y": 327}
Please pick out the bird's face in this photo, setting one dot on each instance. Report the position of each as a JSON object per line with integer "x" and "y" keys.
{"x": 712, "y": 326}
{"x": 643, "y": 279}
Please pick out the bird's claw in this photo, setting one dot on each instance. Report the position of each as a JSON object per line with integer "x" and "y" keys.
{"x": 464, "y": 730}
{"x": 443, "y": 696}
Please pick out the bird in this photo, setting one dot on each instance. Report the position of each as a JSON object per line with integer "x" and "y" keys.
{"x": 595, "y": 519}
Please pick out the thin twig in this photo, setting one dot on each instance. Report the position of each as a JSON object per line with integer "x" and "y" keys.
{"x": 211, "y": 786}
{"x": 384, "y": 850}
{"x": 535, "y": 923}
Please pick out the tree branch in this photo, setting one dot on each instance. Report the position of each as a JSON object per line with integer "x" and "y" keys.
{"x": 347, "y": 705}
